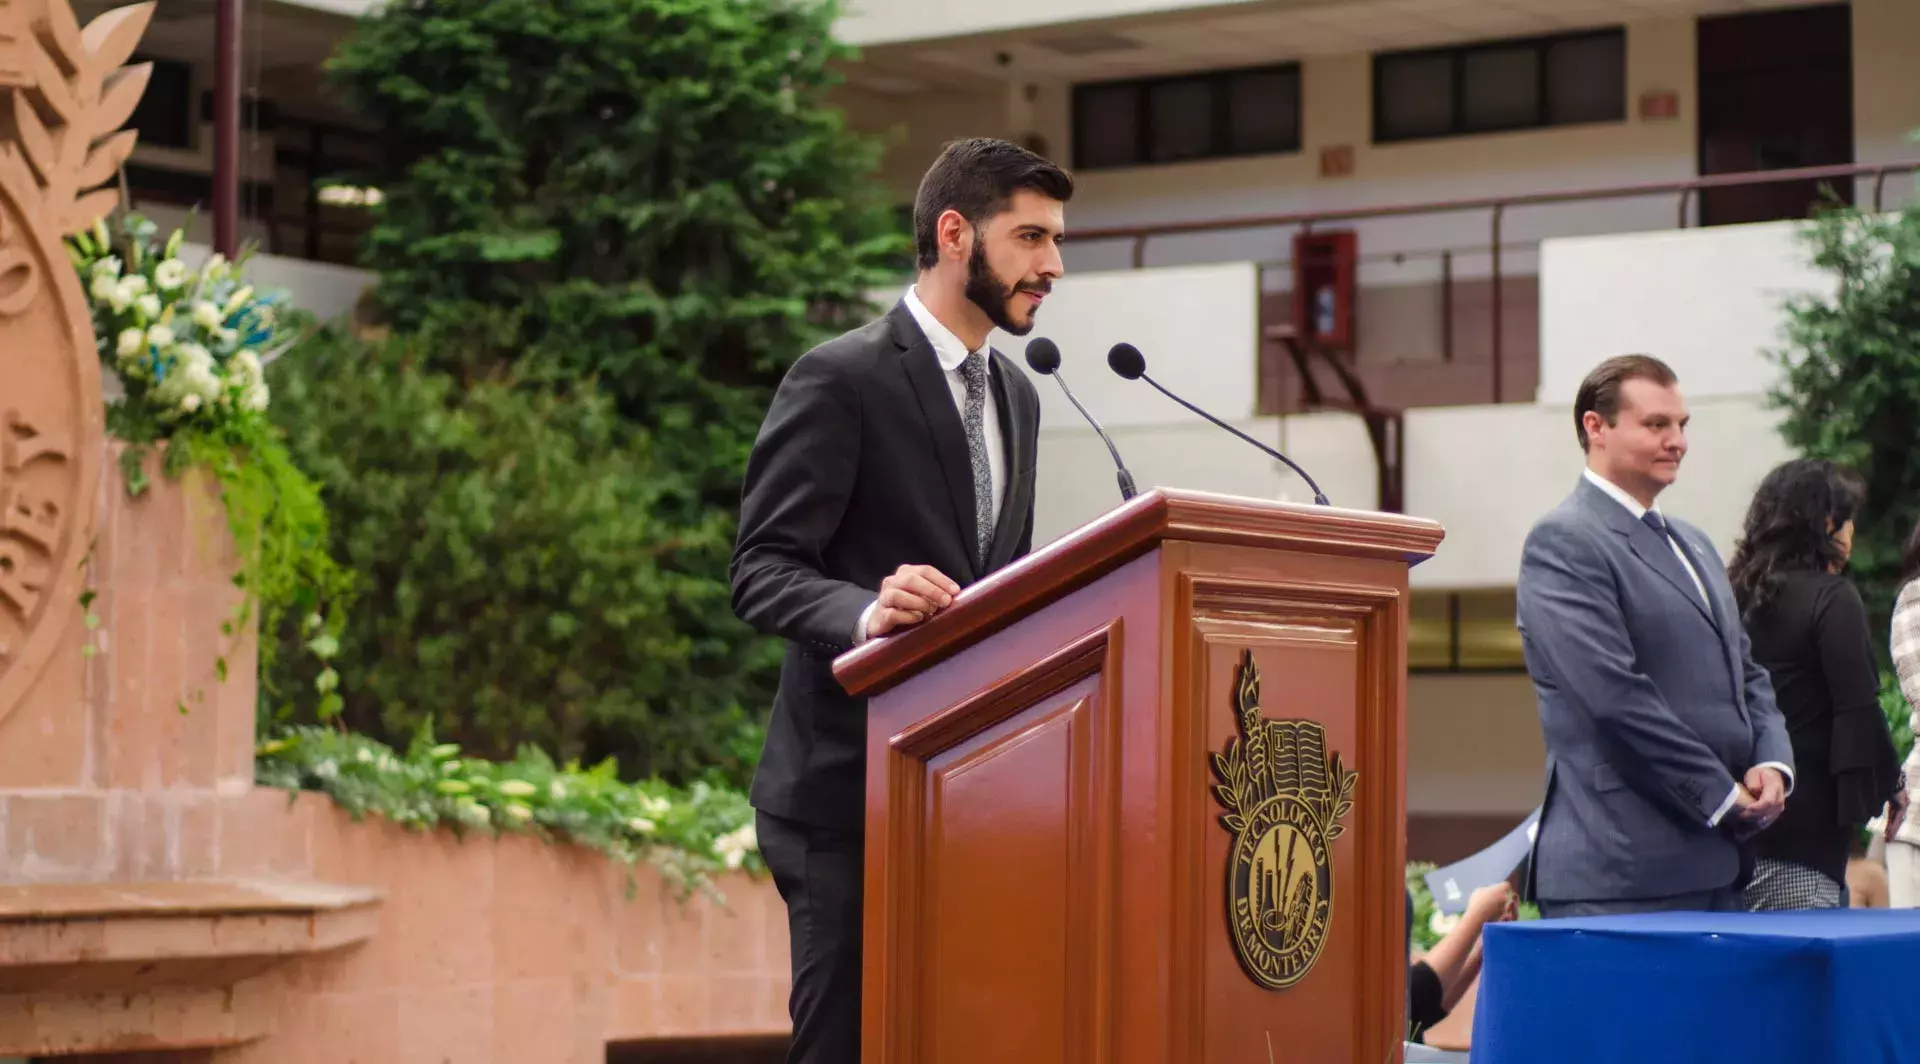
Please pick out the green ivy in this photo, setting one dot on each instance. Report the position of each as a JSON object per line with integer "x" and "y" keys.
{"x": 691, "y": 834}
{"x": 1893, "y": 704}
{"x": 189, "y": 349}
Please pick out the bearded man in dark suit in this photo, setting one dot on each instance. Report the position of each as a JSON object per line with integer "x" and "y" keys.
{"x": 895, "y": 466}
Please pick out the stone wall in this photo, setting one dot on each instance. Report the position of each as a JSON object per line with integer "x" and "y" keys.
{"x": 132, "y": 765}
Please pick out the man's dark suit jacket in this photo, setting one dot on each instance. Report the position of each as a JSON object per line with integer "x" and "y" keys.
{"x": 861, "y": 467}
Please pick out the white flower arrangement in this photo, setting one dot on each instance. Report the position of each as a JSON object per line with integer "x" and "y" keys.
{"x": 733, "y": 847}
{"x": 187, "y": 345}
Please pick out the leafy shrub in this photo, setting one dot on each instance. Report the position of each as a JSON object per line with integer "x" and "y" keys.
{"x": 525, "y": 574}
{"x": 605, "y": 229}
{"x": 1851, "y": 383}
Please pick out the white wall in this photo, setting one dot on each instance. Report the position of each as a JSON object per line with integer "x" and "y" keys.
{"x": 1708, "y": 302}
{"x": 1336, "y": 111}
{"x": 320, "y": 288}
{"x": 869, "y": 22}
{"x": 1886, "y": 89}
{"x": 1473, "y": 745}
{"x": 1075, "y": 481}
{"x": 1198, "y": 327}
{"x": 349, "y": 8}
{"x": 1488, "y": 472}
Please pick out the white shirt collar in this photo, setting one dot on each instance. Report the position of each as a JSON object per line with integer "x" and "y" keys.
{"x": 1619, "y": 495}
{"x": 947, "y": 347}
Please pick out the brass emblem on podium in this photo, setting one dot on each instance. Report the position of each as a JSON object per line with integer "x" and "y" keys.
{"x": 1285, "y": 797}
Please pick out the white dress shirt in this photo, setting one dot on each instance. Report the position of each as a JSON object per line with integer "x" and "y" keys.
{"x": 952, "y": 353}
{"x": 1639, "y": 512}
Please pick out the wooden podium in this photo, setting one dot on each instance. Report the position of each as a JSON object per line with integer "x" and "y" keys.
{"x": 1140, "y": 797}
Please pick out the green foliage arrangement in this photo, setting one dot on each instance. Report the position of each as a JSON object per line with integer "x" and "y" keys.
{"x": 188, "y": 348}
{"x": 605, "y": 228}
{"x": 1851, "y": 386}
{"x": 1899, "y": 715}
{"x": 522, "y": 578}
{"x": 690, "y": 834}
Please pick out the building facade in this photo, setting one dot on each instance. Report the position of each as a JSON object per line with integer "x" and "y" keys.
{"x": 1476, "y": 200}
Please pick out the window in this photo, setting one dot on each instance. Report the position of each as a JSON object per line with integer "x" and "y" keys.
{"x": 164, "y": 116}
{"x": 1199, "y": 116}
{"x": 1464, "y": 631}
{"x": 1500, "y": 85}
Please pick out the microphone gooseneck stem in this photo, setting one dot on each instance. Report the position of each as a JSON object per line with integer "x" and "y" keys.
{"x": 1125, "y": 478}
{"x": 1319, "y": 497}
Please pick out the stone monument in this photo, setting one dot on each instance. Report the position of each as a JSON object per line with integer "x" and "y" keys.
{"x": 152, "y": 899}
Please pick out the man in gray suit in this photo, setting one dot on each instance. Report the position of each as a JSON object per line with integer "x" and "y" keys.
{"x": 1665, "y": 751}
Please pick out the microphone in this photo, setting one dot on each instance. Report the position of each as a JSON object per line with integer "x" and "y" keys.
{"x": 1043, "y": 357}
{"x": 1128, "y": 362}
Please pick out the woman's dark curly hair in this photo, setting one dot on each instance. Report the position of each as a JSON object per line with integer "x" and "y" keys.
{"x": 1790, "y": 527}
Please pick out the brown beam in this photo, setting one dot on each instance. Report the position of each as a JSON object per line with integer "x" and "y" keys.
{"x": 226, "y": 129}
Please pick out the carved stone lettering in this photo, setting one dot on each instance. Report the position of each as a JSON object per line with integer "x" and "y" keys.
{"x": 64, "y": 93}
{"x": 25, "y": 444}
{"x": 30, "y": 516}
{"x": 19, "y": 281}
{"x": 21, "y": 578}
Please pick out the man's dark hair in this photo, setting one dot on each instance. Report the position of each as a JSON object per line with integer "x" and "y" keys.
{"x": 1600, "y": 392}
{"x": 977, "y": 177}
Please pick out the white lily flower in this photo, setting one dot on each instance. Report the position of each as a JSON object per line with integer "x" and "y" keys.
{"x": 172, "y": 274}
{"x": 125, "y": 291}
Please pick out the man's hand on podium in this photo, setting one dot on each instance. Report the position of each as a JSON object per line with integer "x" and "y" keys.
{"x": 911, "y": 595}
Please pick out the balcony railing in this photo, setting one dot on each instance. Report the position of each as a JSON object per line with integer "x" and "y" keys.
{"x": 1476, "y": 325}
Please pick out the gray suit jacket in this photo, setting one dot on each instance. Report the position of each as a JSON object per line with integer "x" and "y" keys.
{"x": 1650, "y": 702}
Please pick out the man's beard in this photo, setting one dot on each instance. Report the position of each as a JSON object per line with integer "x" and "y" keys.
{"x": 993, "y": 296}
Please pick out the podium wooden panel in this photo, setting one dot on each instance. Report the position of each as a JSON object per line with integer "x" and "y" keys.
{"x": 1056, "y": 766}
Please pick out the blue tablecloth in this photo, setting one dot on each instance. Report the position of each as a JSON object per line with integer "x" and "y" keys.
{"x": 1702, "y": 988}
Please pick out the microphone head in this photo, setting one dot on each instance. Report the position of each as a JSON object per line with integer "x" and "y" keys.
{"x": 1043, "y": 356}
{"x": 1127, "y": 361}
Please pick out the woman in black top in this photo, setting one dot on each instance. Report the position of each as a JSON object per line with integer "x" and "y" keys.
{"x": 1809, "y": 631}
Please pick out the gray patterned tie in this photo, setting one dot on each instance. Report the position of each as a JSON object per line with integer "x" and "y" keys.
{"x": 974, "y": 370}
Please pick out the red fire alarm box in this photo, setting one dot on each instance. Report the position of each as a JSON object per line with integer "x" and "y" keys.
{"x": 1324, "y": 264}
